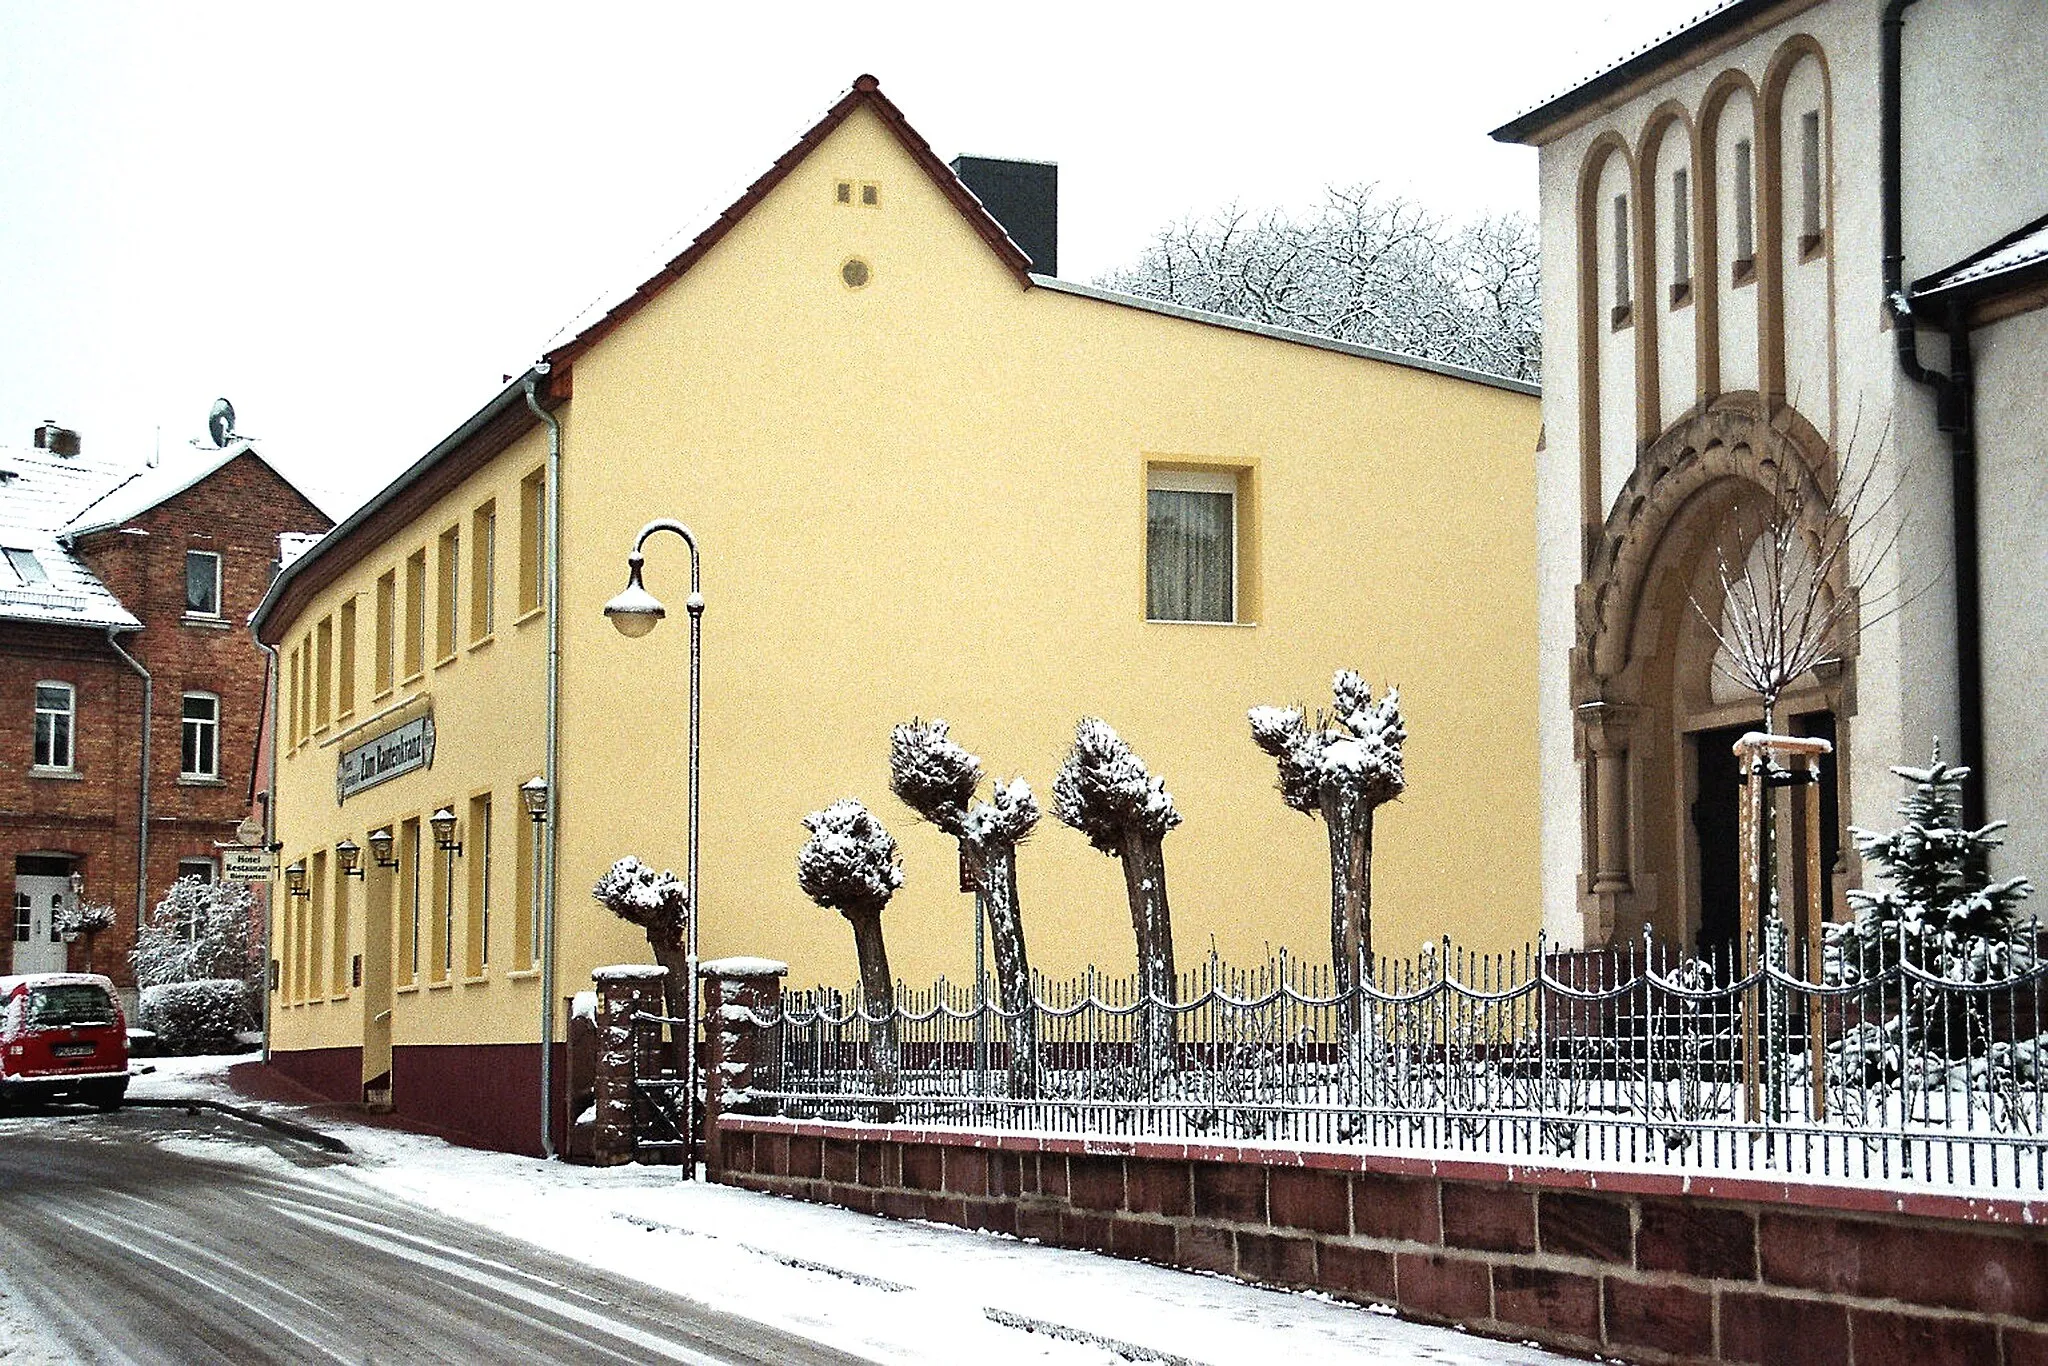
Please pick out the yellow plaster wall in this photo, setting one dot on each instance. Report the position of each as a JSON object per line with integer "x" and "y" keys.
{"x": 488, "y": 702}
{"x": 927, "y": 498}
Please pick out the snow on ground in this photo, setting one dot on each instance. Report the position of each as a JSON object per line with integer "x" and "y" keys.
{"x": 893, "y": 1291}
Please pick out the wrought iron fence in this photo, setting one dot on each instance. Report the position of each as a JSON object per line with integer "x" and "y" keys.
{"x": 1870, "y": 1068}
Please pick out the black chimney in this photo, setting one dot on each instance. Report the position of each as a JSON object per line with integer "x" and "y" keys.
{"x": 56, "y": 440}
{"x": 1024, "y": 196}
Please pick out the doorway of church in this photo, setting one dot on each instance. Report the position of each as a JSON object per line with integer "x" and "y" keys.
{"x": 1715, "y": 808}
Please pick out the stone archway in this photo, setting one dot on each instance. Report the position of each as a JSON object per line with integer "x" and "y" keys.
{"x": 1641, "y": 665}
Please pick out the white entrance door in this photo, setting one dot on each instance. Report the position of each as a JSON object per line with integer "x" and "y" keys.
{"x": 38, "y": 944}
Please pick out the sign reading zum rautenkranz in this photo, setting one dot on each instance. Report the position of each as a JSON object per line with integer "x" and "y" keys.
{"x": 395, "y": 752}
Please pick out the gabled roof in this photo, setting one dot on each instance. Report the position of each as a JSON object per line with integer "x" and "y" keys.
{"x": 152, "y": 485}
{"x": 2015, "y": 261}
{"x": 608, "y": 312}
{"x": 39, "y": 492}
{"x": 1723, "y": 18}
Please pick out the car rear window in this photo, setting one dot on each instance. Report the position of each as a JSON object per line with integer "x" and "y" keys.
{"x": 71, "y": 1004}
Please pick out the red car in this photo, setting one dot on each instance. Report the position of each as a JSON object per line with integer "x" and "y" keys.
{"x": 62, "y": 1035}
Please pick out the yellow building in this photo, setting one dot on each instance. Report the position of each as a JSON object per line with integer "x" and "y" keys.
{"x": 920, "y": 474}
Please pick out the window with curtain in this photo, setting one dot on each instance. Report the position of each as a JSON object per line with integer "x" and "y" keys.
{"x": 1191, "y": 545}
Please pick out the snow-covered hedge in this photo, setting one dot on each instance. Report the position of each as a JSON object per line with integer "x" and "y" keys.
{"x": 197, "y": 1017}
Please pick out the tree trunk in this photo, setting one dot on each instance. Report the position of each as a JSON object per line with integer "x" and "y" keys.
{"x": 878, "y": 997}
{"x": 1361, "y": 890}
{"x": 1152, "y": 923}
{"x": 675, "y": 999}
{"x": 1343, "y": 942}
{"x": 1013, "y": 966}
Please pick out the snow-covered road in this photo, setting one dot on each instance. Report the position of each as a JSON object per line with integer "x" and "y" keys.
{"x": 879, "y": 1289}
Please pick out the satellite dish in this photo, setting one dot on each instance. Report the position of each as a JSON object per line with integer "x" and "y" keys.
{"x": 220, "y": 422}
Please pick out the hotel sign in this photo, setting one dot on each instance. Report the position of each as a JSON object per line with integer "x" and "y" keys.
{"x": 390, "y": 755}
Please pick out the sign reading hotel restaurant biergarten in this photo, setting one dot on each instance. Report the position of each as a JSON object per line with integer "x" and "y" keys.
{"x": 395, "y": 752}
{"x": 245, "y": 862}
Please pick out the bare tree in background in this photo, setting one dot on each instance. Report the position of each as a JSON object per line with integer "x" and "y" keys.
{"x": 1796, "y": 573}
{"x": 1361, "y": 266}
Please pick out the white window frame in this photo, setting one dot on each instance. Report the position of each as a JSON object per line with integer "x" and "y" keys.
{"x": 218, "y": 608}
{"x": 24, "y": 565}
{"x": 1201, "y": 481}
{"x": 70, "y": 715}
{"x": 187, "y": 726}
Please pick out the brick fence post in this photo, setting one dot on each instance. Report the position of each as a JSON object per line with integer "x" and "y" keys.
{"x": 623, "y": 992}
{"x": 740, "y": 1056}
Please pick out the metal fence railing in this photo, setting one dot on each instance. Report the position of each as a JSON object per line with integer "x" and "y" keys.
{"x": 1870, "y": 1069}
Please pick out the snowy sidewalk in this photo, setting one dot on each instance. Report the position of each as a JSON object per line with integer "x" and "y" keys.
{"x": 892, "y": 1291}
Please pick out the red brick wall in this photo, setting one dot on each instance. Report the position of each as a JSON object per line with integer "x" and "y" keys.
{"x": 1634, "y": 1266}
{"x": 238, "y": 512}
{"x": 481, "y": 1095}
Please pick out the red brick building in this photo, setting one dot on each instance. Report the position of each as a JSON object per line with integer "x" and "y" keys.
{"x": 120, "y": 583}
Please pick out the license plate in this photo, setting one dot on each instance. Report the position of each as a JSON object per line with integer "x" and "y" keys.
{"x": 71, "y": 1050}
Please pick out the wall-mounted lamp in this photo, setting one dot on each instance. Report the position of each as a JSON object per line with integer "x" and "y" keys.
{"x": 295, "y": 879}
{"x": 443, "y": 822}
{"x": 380, "y": 847}
{"x": 349, "y": 855}
{"x": 533, "y": 794}
{"x": 78, "y": 884}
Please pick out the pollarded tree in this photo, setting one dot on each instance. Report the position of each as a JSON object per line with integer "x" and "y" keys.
{"x": 1105, "y": 791}
{"x": 659, "y": 904}
{"x": 849, "y": 865}
{"x": 1344, "y": 767}
{"x": 937, "y": 778}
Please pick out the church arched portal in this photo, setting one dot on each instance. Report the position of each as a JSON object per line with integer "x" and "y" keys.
{"x": 1655, "y": 717}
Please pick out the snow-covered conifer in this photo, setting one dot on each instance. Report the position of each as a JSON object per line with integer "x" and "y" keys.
{"x": 1941, "y": 911}
{"x": 1104, "y": 790}
{"x": 1343, "y": 767}
{"x": 659, "y": 904}
{"x": 936, "y": 778}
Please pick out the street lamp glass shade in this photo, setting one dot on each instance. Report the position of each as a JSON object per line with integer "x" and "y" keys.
{"x": 443, "y": 822}
{"x": 348, "y": 852}
{"x": 295, "y": 878}
{"x": 78, "y": 884}
{"x": 380, "y": 846}
{"x": 635, "y": 611}
{"x": 533, "y": 794}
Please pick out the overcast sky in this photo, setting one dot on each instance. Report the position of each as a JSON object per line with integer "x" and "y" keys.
{"x": 352, "y": 220}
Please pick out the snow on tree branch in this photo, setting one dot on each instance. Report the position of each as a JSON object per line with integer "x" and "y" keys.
{"x": 1362, "y": 266}
{"x": 1105, "y": 791}
{"x": 1010, "y": 815}
{"x": 849, "y": 862}
{"x": 1355, "y": 753}
{"x": 932, "y": 774}
{"x": 658, "y": 903}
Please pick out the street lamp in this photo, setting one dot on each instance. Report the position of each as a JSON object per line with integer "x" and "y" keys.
{"x": 635, "y": 611}
{"x": 443, "y": 822}
{"x": 533, "y": 795}
{"x": 380, "y": 847}
{"x": 349, "y": 855}
{"x": 295, "y": 879}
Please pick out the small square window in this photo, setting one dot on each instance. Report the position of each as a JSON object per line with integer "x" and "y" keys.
{"x": 870, "y": 194}
{"x": 843, "y": 192}
{"x": 202, "y": 583}
{"x": 1191, "y": 558}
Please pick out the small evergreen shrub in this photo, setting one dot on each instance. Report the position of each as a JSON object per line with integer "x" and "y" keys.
{"x": 197, "y": 1017}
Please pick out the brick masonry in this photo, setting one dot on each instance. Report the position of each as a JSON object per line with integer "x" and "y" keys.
{"x": 92, "y": 817}
{"x": 1643, "y": 1267}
